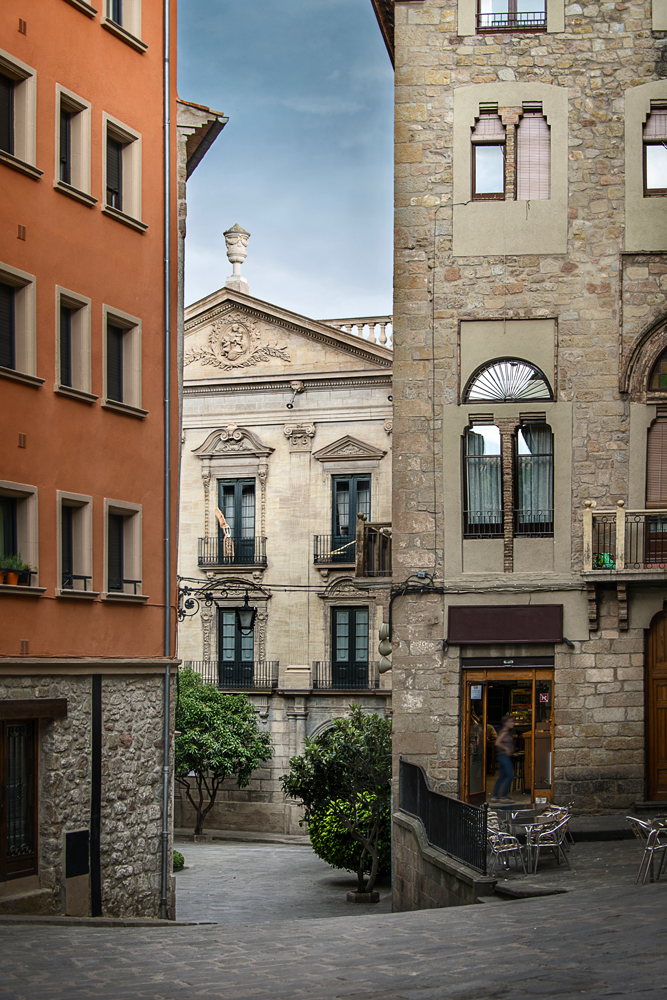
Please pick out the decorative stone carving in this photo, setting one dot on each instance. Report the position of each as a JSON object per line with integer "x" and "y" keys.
{"x": 235, "y": 343}
{"x": 389, "y": 425}
{"x": 260, "y": 634}
{"x": 236, "y": 239}
{"x": 299, "y": 436}
{"x": 232, "y": 440}
{"x": 206, "y": 623}
{"x": 348, "y": 448}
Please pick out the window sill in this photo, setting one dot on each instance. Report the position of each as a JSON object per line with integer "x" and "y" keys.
{"x": 18, "y": 590}
{"x": 89, "y": 595}
{"x": 84, "y": 7}
{"x": 16, "y": 376}
{"x": 76, "y": 193}
{"x": 125, "y": 408}
{"x": 25, "y": 168}
{"x": 125, "y": 36}
{"x": 127, "y": 598}
{"x": 127, "y": 220}
{"x": 79, "y": 394}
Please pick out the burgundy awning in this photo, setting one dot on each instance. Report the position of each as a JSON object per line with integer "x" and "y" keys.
{"x": 505, "y": 623}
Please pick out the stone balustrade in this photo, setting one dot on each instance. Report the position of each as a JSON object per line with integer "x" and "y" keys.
{"x": 376, "y": 329}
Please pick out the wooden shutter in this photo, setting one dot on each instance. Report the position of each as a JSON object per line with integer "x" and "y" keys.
{"x": 7, "y": 359}
{"x": 656, "y": 464}
{"x": 114, "y": 174}
{"x": 6, "y": 114}
{"x": 65, "y": 345}
{"x": 115, "y": 571}
{"x": 65, "y": 146}
{"x": 115, "y": 363}
{"x": 533, "y": 156}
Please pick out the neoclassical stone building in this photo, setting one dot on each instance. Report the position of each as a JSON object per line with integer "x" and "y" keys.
{"x": 287, "y": 432}
{"x": 530, "y": 400}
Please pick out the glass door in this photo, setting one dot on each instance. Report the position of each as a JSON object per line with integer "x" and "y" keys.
{"x": 236, "y": 651}
{"x": 476, "y": 741}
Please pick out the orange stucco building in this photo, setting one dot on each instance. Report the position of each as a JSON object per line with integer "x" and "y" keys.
{"x": 88, "y": 472}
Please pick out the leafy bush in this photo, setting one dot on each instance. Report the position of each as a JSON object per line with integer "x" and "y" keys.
{"x": 333, "y": 842}
{"x": 179, "y": 860}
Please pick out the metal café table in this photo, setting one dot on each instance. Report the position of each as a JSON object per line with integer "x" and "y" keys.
{"x": 522, "y": 823}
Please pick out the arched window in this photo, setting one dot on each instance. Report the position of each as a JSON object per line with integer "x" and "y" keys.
{"x": 483, "y": 499}
{"x": 534, "y": 480}
{"x": 507, "y": 381}
{"x": 658, "y": 377}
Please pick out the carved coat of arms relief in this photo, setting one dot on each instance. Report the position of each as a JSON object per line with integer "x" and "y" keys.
{"x": 235, "y": 343}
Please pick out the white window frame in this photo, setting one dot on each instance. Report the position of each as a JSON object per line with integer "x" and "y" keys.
{"x": 25, "y": 327}
{"x": 131, "y": 179}
{"x": 80, "y": 110}
{"x": 27, "y": 541}
{"x": 81, "y": 367}
{"x": 131, "y": 405}
{"x": 84, "y": 7}
{"x": 130, "y": 30}
{"x": 82, "y": 524}
{"x": 132, "y": 554}
{"x": 25, "y": 116}
{"x": 467, "y": 18}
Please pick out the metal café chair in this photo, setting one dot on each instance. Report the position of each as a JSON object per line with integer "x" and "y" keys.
{"x": 550, "y": 839}
{"x": 656, "y": 843}
{"x": 502, "y": 846}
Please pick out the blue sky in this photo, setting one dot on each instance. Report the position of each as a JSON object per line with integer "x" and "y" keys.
{"x": 305, "y": 161}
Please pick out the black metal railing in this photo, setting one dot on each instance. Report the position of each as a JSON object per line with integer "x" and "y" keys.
{"x": 214, "y": 551}
{"x": 68, "y": 581}
{"x": 457, "y": 828}
{"x": 531, "y": 523}
{"x": 117, "y": 585}
{"x": 515, "y": 21}
{"x": 645, "y": 545}
{"x": 483, "y": 523}
{"x": 334, "y": 549}
{"x": 237, "y": 674}
{"x": 345, "y": 676}
{"x": 604, "y": 542}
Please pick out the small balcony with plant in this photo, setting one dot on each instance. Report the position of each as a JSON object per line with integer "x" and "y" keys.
{"x": 624, "y": 544}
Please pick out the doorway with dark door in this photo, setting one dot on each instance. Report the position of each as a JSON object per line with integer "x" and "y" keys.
{"x": 656, "y": 708}
{"x": 349, "y": 642}
{"x": 236, "y": 666}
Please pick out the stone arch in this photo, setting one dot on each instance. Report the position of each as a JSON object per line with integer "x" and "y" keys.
{"x": 646, "y": 351}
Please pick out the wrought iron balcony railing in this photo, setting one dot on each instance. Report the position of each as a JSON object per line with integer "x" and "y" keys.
{"x": 338, "y": 676}
{"x": 214, "y": 551}
{"x": 512, "y": 21}
{"x": 624, "y": 540}
{"x": 262, "y": 674}
{"x": 333, "y": 549}
{"x": 70, "y": 582}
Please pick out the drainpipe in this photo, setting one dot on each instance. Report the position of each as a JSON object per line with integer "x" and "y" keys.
{"x": 164, "y": 882}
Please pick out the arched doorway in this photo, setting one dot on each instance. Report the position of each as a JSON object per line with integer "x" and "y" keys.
{"x": 656, "y": 707}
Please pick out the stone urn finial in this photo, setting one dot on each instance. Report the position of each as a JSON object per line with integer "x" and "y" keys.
{"x": 236, "y": 239}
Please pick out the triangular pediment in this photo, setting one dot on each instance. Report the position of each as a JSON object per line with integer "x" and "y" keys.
{"x": 232, "y": 335}
{"x": 232, "y": 440}
{"x": 348, "y": 449}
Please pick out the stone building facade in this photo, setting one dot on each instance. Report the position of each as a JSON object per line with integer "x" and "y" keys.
{"x": 287, "y": 431}
{"x": 529, "y": 402}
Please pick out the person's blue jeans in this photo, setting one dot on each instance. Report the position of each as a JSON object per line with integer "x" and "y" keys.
{"x": 505, "y": 776}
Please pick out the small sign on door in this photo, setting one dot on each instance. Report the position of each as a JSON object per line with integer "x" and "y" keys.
{"x": 544, "y": 697}
{"x": 476, "y": 692}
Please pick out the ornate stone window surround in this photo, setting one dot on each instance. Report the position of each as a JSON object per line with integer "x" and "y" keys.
{"x": 346, "y": 595}
{"x": 209, "y": 617}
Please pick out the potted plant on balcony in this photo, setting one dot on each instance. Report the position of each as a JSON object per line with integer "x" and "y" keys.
{"x": 13, "y": 567}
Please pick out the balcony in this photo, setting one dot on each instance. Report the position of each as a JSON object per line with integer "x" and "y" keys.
{"x": 329, "y": 676}
{"x": 242, "y": 675}
{"x": 513, "y": 21}
{"x": 215, "y": 552}
{"x": 331, "y": 549}
{"x": 631, "y": 543}
{"x": 373, "y": 548}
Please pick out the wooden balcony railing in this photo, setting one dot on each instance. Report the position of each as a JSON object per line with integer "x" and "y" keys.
{"x": 373, "y": 548}
{"x": 624, "y": 540}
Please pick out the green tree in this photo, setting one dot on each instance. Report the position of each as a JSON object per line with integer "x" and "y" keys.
{"x": 218, "y": 735}
{"x": 346, "y": 772}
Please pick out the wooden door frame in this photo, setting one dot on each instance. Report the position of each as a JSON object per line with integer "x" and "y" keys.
{"x": 650, "y": 761}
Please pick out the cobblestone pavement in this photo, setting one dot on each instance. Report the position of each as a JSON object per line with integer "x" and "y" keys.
{"x": 608, "y": 942}
{"x": 237, "y": 883}
{"x": 592, "y": 865}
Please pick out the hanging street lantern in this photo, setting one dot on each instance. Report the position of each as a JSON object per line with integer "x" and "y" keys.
{"x": 245, "y": 617}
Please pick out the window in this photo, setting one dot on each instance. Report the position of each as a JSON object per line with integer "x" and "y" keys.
{"x": 656, "y": 464}
{"x": 658, "y": 379}
{"x": 18, "y": 115}
{"x": 506, "y": 382}
{"x": 655, "y": 151}
{"x": 18, "y": 827}
{"x": 349, "y": 647}
{"x": 19, "y": 525}
{"x": 236, "y": 500}
{"x": 534, "y": 480}
{"x": 483, "y": 506}
{"x": 75, "y": 545}
{"x": 123, "y": 19}
{"x": 235, "y": 652}
{"x": 17, "y": 325}
{"x": 73, "y": 345}
{"x": 122, "y": 362}
{"x": 122, "y": 173}
{"x": 511, "y": 15}
{"x": 351, "y": 496}
{"x": 533, "y": 156}
{"x": 122, "y": 571}
{"x": 73, "y": 147}
{"x": 488, "y": 157}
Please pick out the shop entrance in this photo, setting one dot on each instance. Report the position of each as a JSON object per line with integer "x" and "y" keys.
{"x": 489, "y": 694}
